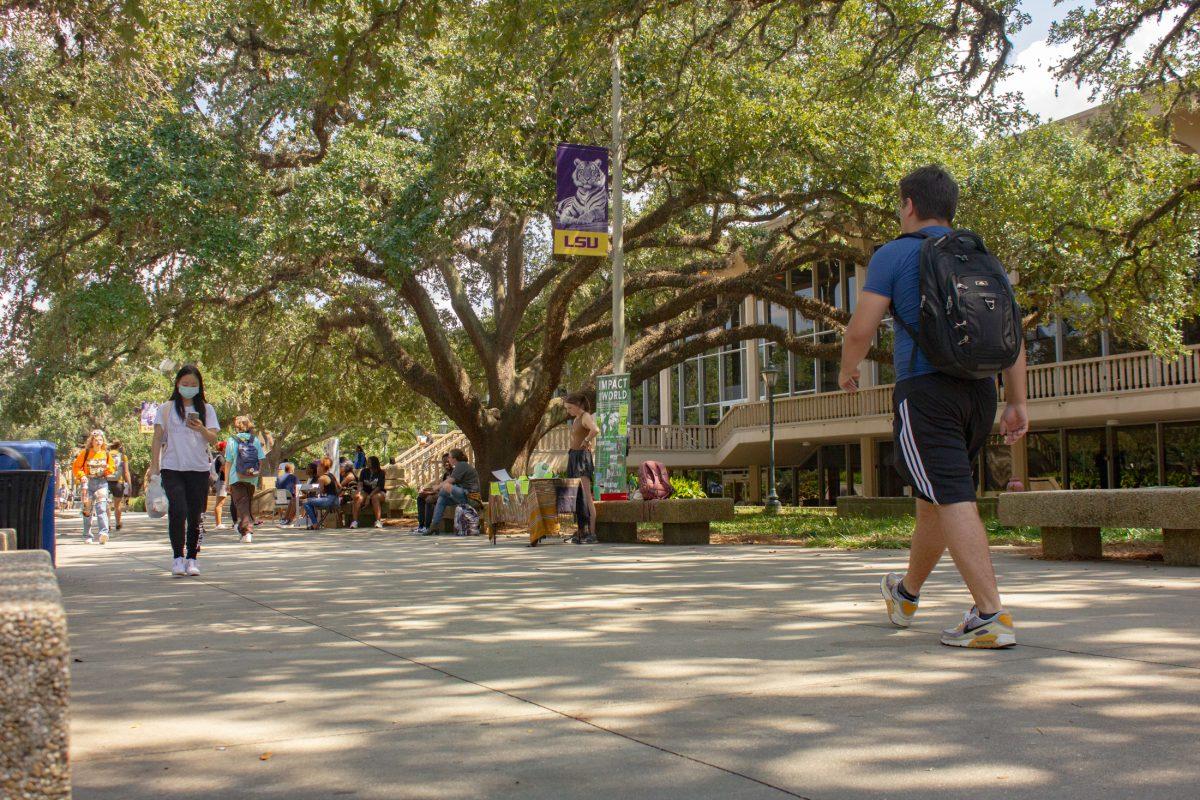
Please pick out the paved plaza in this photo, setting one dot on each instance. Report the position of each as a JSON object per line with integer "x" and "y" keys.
{"x": 375, "y": 664}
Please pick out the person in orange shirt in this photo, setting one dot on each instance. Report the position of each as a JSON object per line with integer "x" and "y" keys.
{"x": 93, "y": 468}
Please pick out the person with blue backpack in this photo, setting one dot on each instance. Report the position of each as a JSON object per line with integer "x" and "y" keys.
{"x": 244, "y": 454}
{"x": 957, "y": 325}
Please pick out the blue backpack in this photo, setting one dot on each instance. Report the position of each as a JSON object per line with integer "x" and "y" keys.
{"x": 247, "y": 462}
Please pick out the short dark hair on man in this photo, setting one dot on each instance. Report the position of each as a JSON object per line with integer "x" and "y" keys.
{"x": 458, "y": 455}
{"x": 933, "y": 192}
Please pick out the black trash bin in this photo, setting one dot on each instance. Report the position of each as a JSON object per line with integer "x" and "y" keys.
{"x": 22, "y": 500}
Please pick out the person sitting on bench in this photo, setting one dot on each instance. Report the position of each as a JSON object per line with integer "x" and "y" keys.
{"x": 372, "y": 489}
{"x": 324, "y": 494}
{"x": 457, "y": 489}
{"x": 428, "y": 496}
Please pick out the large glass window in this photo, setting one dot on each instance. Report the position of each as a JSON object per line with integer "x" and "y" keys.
{"x": 1137, "y": 456}
{"x": 887, "y": 478}
{"x": 1039, "y": 343}
{"x": 829, "y": 283}
{"x": 804, "y": 376}
{"x": 1182, "y": 444}
{"x": 1087, "y": 459}
{"x": 1191, "y": 331}
{"x": 1045, "y": 461}
{"x": 886, "y": 370}
{"x": 1078, "y": 343}
{"x": 829, "y": 367}
{"x": 802, "y": 285}
{"x": 733, "y": 373}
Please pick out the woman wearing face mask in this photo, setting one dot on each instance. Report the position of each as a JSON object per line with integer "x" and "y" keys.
{"x": 184, "y": 428}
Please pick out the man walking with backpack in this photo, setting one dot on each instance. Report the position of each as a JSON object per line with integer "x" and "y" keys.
{"x": 244, "y": 453}
{"x": 957, "y": 325}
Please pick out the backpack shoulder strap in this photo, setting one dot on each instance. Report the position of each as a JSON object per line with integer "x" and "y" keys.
{"x": 923, "y": 237}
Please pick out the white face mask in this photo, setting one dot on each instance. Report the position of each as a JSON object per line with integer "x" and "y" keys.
{"x": 188, "y": 392}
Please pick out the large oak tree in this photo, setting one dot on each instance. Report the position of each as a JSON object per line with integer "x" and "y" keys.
{"x": 389, "y": 165}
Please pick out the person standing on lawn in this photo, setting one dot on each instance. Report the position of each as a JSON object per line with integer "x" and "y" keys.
{"x": 244, "y": 453}
{"x": 941, "y": 421}
{"x": 582, "y": 465}
{"x": 184, "y": 428}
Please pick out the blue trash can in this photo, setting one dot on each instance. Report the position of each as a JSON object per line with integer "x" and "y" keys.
{"x": 40, "y": 455}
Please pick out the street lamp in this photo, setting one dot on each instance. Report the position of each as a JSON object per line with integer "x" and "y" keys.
{"x": 769, "y": 376}
{"x": 443, "y": 427}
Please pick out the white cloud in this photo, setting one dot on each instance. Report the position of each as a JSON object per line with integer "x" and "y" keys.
{"x": 1050, "y": 99}
{"x": 1045, "y": 96}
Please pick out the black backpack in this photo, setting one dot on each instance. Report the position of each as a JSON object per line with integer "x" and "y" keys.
{"x": 969, "y": 324}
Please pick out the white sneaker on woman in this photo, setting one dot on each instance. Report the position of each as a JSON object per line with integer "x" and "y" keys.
{"x": 354, "y": 524}
{"x": 178, "y": 567}
{"x": 378, "y": 523}
{"x": 247, "y": 538}
{"x": 193, "y": 568}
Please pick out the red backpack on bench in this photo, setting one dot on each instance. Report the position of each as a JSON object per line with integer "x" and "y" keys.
{"x": 654, "y": 482}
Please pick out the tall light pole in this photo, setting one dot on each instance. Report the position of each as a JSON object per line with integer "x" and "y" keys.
{"x": 769, "y": 376}
{"x": 618, "y": 201}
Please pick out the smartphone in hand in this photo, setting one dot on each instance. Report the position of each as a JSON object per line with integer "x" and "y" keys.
{"x": 193, "y": 415}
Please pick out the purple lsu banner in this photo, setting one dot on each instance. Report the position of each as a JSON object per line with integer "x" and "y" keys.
{"x": 581, "y": 210}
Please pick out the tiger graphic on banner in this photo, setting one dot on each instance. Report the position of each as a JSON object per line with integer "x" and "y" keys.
{"x": 589, "y": 205}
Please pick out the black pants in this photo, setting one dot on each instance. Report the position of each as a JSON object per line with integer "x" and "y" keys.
{"x": 187, "y": 495}
{"x": 581, "y": 465}
{"x": 425, "y": 510}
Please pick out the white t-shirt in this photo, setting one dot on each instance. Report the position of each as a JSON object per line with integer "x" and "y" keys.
{"x": 185, "y": 450}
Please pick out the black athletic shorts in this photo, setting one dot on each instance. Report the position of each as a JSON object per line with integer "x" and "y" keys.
{"x": 940, "y": 424}
{"x": 580, "y": 465}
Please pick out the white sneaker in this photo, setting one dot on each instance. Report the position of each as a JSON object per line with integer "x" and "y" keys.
{"x": 88, "y": 540}
{"x": 422, "y": 530}
{"x": 193, "y": 568}
{"x": 247, "y": 538}
{"x": 378, "y": 523}
{"x": 178, "y": 568}
{"x": 354, "y": 524}
{"x": 103, "y": 538}
{"x": 222, "y": 527}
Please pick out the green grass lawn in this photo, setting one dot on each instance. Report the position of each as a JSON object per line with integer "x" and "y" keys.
{"x": 820, "y": 527}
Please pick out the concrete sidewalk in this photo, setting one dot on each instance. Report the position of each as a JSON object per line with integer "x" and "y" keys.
{"x": 374, "y": 664}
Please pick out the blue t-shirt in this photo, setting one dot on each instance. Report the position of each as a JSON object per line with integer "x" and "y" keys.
{"x": 894, "y": 273}
{"x": 287, "y": 482}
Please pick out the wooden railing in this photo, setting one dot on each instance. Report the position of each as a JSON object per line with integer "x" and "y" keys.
{"x": 1123, "y": 373}
{"x": 1091, "y": 376}
{"x": 422, "y": 465}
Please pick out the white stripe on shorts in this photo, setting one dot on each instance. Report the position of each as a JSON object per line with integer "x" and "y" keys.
{"x": 912, "y": 456}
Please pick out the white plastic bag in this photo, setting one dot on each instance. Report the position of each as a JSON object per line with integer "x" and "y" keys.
{"x": 156, "y": 498}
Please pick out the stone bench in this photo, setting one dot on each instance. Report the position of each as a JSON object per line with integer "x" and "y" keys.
{"x": 1071, "y": 520}
{"x": 34, "y": 679}
{"x": 683, "y": 520}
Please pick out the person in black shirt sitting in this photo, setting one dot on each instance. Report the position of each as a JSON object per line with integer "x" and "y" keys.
{"x": 372, "y": 489}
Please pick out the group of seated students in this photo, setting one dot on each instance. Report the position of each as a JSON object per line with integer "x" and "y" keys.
{"x": 330, "y": 489}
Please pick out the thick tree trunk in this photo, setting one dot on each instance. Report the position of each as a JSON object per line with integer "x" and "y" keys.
{"x": 498, "y": 446}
